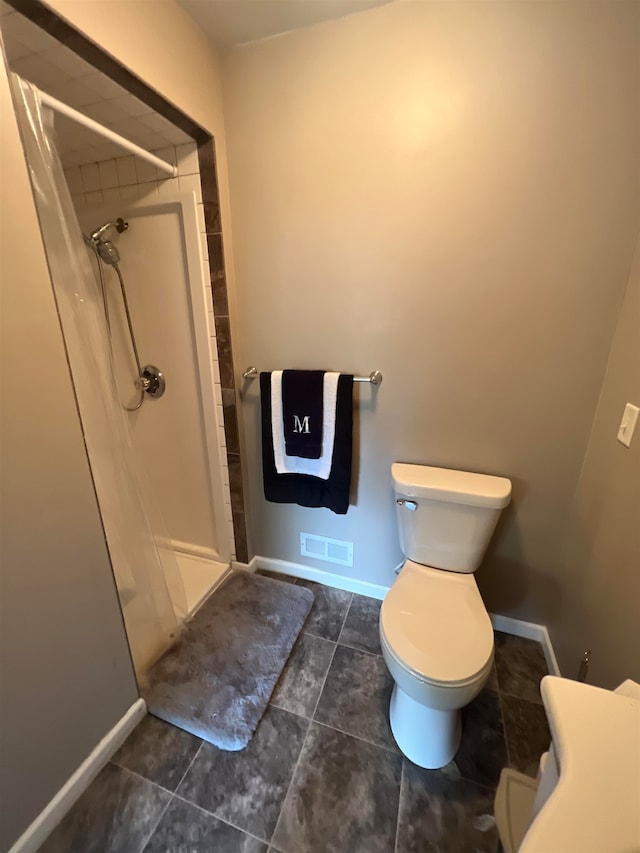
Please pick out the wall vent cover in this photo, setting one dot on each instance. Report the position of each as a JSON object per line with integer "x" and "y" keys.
{"x": 323, "y": 548}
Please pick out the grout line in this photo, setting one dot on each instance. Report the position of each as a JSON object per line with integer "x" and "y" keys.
{"x": 395, "y": 846}
{"x": 196, "y": 754}
{"x": 143, "y": 847}
{"x": 175, "y": 796}
{"x": 171, "y": 793}
{"x": 216, "y": 817}
{"x": 357, "y": 649}
{"x": 310, "y": 723}
{"x": 460, "y": 777}
{"x": 148, "y": 837}
{"x": 293, "y": 776}
{"x": 303, "y": 716}
{"x": 344, "y": 621}
{"x": 140, "y": 776}
{"x": 316, "y": 636}
{"x": 390, "y": 749}
{"x": 324, "y": 681}
{"x": 502, "y": 717}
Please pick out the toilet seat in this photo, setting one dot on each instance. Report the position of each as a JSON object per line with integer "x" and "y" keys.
{"x": 436, "y": 627}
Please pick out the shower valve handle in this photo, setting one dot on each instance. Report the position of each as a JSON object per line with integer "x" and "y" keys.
{"x": 142, "y": 383}
{"x": 151, "y": 380}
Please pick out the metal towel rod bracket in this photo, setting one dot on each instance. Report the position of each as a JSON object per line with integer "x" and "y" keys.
{"x": 375, "y": 377}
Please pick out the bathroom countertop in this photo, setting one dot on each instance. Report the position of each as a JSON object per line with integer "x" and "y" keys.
{"x": 595, "y": 805}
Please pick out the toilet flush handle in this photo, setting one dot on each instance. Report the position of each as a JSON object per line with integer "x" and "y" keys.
{"x": 410, "y": 505}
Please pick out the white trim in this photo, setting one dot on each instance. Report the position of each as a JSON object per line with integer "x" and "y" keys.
{"x": 507, "y": 624}
{"x": 297, "y": 570}
{"x": 194, "y": 550}
{"x": 204, "y": 347}
{"x": 244, "y": 567}
{"x": 531, "y": 631}
{"x": 218, "y": 582}
{"x": 56, "y": 809}
{"x": 206, "y": 353}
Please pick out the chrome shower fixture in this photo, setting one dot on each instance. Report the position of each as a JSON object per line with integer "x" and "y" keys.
{"x": 120, "y": 225}
{"x": 149, "y": 379}
{"x": 107, "y": 250}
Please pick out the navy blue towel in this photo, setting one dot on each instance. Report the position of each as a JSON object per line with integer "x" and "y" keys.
{"x": 302, "y": 393}
{"x": 302, "y": 489}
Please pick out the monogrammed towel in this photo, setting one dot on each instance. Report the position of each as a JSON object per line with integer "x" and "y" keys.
{"x": 303, "y": 489}
{"x": 295, "y": 464}
{"x": 302, "y": 412}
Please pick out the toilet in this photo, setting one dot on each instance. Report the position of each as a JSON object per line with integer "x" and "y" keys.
{"x": 435, "y": 632}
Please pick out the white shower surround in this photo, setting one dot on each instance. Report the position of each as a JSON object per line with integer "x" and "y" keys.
{"x": 128, "y": 179}
{"x": 201, "y": 501}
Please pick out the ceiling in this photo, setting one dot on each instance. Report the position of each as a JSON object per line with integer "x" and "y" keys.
{"x": 42, "y": 60}
{"x": 230, "y": 22}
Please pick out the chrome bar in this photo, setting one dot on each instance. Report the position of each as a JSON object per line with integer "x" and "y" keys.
{"x": 375, "y": 377}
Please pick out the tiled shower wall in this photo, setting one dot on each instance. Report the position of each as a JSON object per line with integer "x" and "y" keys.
{"x": 213, "y": 228}
{"x": 127, "y": 178}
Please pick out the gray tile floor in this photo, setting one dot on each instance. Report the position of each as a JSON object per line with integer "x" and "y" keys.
{"x": 322, "y": 773}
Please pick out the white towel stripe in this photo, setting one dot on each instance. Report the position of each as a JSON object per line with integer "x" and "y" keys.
{"x": 295, "y": 464}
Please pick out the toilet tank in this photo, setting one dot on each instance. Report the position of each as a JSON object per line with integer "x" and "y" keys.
{"x": 445, "y": 517}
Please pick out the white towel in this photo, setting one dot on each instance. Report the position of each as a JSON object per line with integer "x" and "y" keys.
{"x": 294, "y": 464}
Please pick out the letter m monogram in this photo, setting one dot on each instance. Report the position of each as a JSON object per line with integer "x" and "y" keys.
{"x": 301, "y": 425}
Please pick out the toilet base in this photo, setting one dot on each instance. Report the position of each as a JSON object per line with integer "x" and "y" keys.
{"x": 428, "y": 737}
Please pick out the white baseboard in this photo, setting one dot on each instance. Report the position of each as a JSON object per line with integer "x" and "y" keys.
{"x": 531, "y": 631}
{"x": 507, "y": 624}
{"x": 56, "y": 809}
{"x": 243, "y": 567}
{"x": 297, "y": 570}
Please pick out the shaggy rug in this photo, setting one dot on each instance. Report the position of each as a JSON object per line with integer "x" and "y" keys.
{"x": 217, "y": 680}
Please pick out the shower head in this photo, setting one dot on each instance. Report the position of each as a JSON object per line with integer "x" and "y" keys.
{"x": 108, "y": 251}
{"x": 103, "y": 246}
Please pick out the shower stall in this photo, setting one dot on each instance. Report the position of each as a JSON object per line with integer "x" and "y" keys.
{"x": 156, "y": 313}
{"x": 156, "y": 316}
{"x": 130, "y": 286}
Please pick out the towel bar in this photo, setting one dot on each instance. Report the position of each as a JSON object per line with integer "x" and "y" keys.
{"x": 375, "y": 377}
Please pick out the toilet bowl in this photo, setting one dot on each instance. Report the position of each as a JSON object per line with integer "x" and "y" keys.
{"x": 437, "y": 642}
{"x": 435, "y": 632}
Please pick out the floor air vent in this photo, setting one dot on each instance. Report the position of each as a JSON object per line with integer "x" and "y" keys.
{"x": 323, "y": 548}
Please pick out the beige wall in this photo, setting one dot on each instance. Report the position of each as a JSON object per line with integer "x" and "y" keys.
{"x": 447, "y": 192}
{"x": 66, "y": 676}
{"x": 63, "y": 595}
{"x": 603, "y": 548}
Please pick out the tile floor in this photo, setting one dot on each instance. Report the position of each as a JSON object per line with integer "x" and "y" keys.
{"x": 322, "y": 773}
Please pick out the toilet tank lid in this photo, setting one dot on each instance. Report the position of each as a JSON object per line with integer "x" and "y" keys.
{"x": 445, "y": 484}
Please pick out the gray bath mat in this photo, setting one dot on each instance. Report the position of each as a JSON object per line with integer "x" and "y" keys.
{"x": 218, "y": 678}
